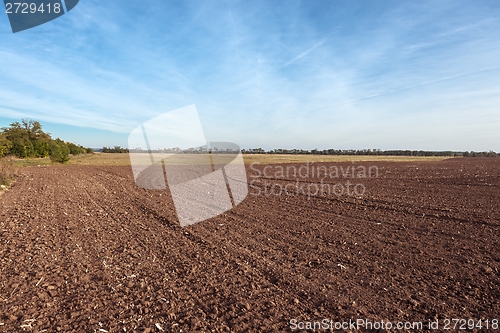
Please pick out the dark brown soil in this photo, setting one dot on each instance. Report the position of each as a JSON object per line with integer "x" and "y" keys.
{"x": 83, "y": 249}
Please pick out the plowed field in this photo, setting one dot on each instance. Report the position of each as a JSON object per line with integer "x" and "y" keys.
{"x": 83, "y": 249}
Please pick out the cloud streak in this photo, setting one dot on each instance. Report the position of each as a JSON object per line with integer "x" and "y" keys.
{"x": 303, "y": 54}
{"x": 265, "y": 74}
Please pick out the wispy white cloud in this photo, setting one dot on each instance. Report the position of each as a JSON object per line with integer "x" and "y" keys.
{"x": 303, "y": 54}
{"x": 265, "y": 74}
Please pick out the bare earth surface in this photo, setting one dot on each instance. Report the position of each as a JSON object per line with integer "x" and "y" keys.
{"x": 83, "y": 249}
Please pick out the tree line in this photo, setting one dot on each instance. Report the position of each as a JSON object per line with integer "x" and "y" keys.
{"x": 371, "y": 152}
{"x": 364, "y": 152}
{"x": 26, "y": 139}
{"x": 115, "y": 149}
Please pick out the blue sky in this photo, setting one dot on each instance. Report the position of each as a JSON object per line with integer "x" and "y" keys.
{"x": 271, "y": 74}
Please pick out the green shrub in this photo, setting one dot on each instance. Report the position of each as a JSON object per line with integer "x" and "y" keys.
{"x": 75, "y": 149}
{"x": 5, "y": 145}
{"x": 59, "y": 151}
{"x": 26, "y": 139}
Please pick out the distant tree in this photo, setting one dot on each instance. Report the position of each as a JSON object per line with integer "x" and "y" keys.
{"x": 491, "y": 154}
{"x": 59, "y": 151}
{"x": 76, "y": 149}
{"x": 115, "y": 149}
{"x": 371, "y": 152}
{"x": 5, "y": 145}
{"x": 27, "y": 139}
